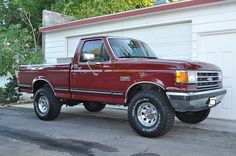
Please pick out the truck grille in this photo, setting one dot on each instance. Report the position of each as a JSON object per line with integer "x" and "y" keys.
{"x": 208, "y": 79}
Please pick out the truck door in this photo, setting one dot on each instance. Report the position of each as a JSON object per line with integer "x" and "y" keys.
{"x": 92, "y": 77}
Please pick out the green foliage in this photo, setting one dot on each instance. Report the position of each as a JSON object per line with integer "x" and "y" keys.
{"x": 16, "y": 49}
{"x": 19, "y": 36}
{"x": 8, "y": 13}
{"x": 15, "y": 12}
{"x": 9, "y": 94}
{"x": 19, "y": 39}
{"x": 90, "y": 8}
{"x": 30, "y": 12}
{"x": 34, "y": 8}
{"x": 2, "y": 96}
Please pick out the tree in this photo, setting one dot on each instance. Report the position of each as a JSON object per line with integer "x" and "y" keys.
{"x": 91, "y": 8}
{"x": 16, "y": 49}
{"x": 30, "y": 13}
{"x": 20, "y": 40}
{"x": 8, "y": 13}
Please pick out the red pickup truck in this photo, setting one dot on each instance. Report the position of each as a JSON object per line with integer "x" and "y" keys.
{"x": 124, "y": 71}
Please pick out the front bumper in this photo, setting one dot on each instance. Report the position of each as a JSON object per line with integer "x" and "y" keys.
{"x": 195, "y": 101}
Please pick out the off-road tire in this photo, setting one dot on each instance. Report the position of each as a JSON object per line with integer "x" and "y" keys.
{"x": 54, "y": 104}
{"x": 94, "y": 106}
{"x": 165, "y": 113}
{"x": 192, "y": 117}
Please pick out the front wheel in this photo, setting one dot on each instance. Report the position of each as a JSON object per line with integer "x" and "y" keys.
{"x": 150, "y": 114}
{"x": 46, "y": 105}
{"x": 192, "y": 117}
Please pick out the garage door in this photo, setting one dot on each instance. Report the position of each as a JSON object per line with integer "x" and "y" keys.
{"x": 220, "y": 49}
{"x": 169, "y": 41}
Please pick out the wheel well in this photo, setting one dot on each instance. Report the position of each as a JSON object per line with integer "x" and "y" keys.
{"x": 39, "y": 84}
{"x": 140, "y": 87}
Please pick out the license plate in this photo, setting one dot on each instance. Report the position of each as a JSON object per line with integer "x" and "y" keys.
{"x": 213, "y": 101}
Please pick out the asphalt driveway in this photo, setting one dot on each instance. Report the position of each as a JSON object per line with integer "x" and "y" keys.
{"x": 77, "y": 132}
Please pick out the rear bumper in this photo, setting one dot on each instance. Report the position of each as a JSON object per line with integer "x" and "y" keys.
{"x": 195, "y": 101}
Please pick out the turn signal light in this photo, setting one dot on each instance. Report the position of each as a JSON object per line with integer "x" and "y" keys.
{"x": 181, "y": 76}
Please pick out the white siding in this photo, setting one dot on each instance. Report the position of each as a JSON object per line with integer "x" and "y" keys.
{"x": 54, "y": 48}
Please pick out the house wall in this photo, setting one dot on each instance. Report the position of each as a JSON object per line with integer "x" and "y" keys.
{"x": 201, "y": 21}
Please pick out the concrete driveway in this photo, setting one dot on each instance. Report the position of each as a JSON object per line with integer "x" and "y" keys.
{"x": 78, "y": 132}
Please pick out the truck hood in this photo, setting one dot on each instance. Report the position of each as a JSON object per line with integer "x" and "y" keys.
{"x": 196, "y": 65}
{"x": 164, "y": 64}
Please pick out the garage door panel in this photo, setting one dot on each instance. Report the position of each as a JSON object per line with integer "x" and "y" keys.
{"x": 220, "y": 49}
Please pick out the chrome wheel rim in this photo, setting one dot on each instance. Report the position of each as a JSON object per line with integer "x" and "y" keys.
{"x": 43, "y": 104}
{"x": 147, "y": 114}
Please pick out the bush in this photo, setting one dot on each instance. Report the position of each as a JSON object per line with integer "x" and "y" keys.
{"x": 9, "y": 94}
{"x": 2, "y": 95}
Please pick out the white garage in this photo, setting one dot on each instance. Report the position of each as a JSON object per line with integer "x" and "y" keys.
{"x": 202, "y": 30}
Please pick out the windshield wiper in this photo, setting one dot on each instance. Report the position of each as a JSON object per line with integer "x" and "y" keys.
{"x": 138, "y": 57}
{"x": 151, "y": 57}
{"x": 125, "y": 57}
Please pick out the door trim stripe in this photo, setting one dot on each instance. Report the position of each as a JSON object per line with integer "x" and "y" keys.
{"x": 97, "y": 92}
{"x": 89, "y": 91}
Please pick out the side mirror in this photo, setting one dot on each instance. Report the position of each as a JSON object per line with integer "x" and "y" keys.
{"x": 88, "y": 57}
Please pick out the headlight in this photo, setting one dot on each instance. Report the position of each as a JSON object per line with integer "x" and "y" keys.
{"x": 183, "y": 76}
{"x": 192, "y": 77}
{"x": 220, "y": 74}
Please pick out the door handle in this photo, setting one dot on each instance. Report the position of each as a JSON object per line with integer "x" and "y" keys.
{"x": 94, "y": 73}
{"x": 77, "y": 68}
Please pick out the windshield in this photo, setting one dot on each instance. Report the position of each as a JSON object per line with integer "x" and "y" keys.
{"x": 129, "y": 48}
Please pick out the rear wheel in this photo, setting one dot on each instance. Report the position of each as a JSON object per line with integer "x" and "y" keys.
{"x": 94, "y": 106}
{"x": 192, "y": 117}
{"x": 46, "y": 105}
{"x": 150, "y": 114}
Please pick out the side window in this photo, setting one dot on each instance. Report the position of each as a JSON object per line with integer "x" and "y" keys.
{"x": 97, "y": 48}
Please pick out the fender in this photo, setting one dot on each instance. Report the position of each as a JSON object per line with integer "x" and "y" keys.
{"x": 41, "y": 78}
{"x": 157, "y": 83}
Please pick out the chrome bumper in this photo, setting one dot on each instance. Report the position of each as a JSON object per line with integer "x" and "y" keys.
{"x": 195, "y": 101}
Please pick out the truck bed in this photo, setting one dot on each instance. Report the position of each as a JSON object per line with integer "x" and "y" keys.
{"x": 57, "y": 75}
